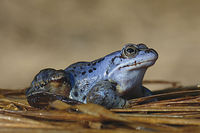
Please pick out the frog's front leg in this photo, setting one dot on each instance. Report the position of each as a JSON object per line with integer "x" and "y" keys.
{"x": 104, "y": 93}
{"x": 49, "y": 85}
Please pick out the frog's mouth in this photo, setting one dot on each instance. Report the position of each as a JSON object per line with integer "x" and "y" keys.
{"x": 138, "y": 65}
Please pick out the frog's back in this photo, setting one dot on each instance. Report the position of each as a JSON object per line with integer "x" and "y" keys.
{"x": 81, "y": 70}
{"x": 78, "y": 68}
{"x": 85, "y": 74}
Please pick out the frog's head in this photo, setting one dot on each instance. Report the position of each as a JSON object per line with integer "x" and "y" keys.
{"x": 129, "y": 65}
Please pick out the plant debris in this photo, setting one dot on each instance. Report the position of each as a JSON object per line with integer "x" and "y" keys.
{"x": 176, "y": 110}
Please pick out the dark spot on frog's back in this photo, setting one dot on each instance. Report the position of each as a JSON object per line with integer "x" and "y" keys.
{"x": 94, "y": 68}
{"x": 83, "y": 73}
{"x": 101, "y": 59}
{"x": 93, "y": 63}
{"x": 75, "y": 94}
{"x": 73, "y": 70}
{"x": 82, "y": 90}
{"x": 112, "y": 60}
{"x": 83, "y": 98}
{"x": 90, "y": 71}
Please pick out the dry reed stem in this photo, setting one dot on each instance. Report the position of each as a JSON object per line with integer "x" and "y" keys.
{"x": 174, "y": 107}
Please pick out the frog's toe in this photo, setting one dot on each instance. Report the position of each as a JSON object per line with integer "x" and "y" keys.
{"x": 47, "y": 85}
{"x": 103, "y": 93}
{"x": 40, "y": 100}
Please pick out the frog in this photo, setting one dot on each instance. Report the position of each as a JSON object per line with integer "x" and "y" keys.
{"x": 110, "y": 81}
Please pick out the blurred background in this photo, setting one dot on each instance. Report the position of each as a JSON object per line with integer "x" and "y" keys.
{"x": 56, "y": 33}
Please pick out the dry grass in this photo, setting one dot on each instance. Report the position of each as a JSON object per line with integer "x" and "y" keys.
{"x": 177, "y": 110}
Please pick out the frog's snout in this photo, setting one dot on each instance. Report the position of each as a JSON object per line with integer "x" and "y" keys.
{"x": 152, "y": 51}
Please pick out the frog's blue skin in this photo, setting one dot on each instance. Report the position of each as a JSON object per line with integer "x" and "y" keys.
{"x": 109, "y": 81}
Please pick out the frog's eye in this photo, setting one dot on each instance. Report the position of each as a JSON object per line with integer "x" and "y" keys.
{"x": 130, "y": 51}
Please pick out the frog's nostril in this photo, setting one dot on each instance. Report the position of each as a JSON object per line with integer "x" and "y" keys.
{"x": 148, "y": 51}
{"x": 153, "y": 51}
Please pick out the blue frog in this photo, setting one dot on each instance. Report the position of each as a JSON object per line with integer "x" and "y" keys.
{"x": 109, "y": 81}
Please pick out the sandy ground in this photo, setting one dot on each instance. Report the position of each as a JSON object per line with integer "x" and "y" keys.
{"x": 47, "y": 33}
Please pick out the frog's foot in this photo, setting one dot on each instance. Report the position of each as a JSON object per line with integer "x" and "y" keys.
{"x": 103, "y": 93}
{"x": 47, "y": 86}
